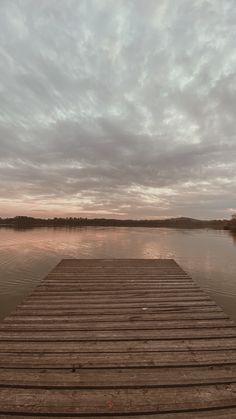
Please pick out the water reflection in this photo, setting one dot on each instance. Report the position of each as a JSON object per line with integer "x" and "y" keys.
{"x": 27, "y": 255}
{"x": 233, "y": 235}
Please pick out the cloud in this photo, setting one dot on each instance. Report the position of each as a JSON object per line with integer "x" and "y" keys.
{"x": 118, "y": 108}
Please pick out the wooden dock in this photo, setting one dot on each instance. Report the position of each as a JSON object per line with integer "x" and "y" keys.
{"x": 118, "y": 338}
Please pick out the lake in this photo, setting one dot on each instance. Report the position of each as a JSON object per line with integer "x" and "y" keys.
{"x": 26, "y": 256}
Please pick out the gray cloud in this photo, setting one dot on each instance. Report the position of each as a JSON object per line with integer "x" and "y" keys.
{"x": 118, "y": 108}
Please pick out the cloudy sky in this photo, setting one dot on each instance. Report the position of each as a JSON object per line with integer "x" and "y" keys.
{"x": 118, "y": 108}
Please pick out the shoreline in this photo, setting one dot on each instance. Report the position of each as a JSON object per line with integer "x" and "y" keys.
{"x": 181, "y": 222}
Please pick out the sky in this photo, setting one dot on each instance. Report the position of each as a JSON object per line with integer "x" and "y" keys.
{"x": 118, "y": 108}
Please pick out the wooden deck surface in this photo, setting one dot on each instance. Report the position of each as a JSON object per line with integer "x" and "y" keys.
{"x": 118, "y": 338}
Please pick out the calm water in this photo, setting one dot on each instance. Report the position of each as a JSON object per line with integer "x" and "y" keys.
{"x": 26, "y": 256}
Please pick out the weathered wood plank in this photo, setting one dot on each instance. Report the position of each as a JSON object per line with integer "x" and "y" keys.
{"x": 125, "y": 264}
{"x": 94, "y": 302}
{"x": 93, "y": 306}
{"x": 113, "y": 325}
{"x": 157, "y": 296}
{"x": 87, "y": 335}
{"x": 144, "y": 316}
{"x": 113, "y": 311}
{"x": 129, "y": 345}
{"x": 127, "y": 311}
{"x": 147, "y": 304}
{"x": 119, "y": 377}
{"x": 125, "y": 401}
{"x": 119, "y": 293}
{"x": 116, "y": 359}
{"x": 103, "y": 287}
{"x": 77, "y": 298}
{"x": 106, "y": 292}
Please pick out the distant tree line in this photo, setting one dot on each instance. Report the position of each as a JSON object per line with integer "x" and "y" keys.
{"x": 231, "y": 225}
{"x": 181, "y": 222}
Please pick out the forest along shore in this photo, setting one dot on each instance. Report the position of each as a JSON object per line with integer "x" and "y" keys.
{"x": 180, "y": 222}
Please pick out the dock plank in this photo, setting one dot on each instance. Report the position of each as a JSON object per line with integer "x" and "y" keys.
{"x": 71, "y": 325}
{"x": 113, "y": 401}
{"x": 118, "y": 335}
{"x": 134, "y": 338}
{"x": 74, "y": 361}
